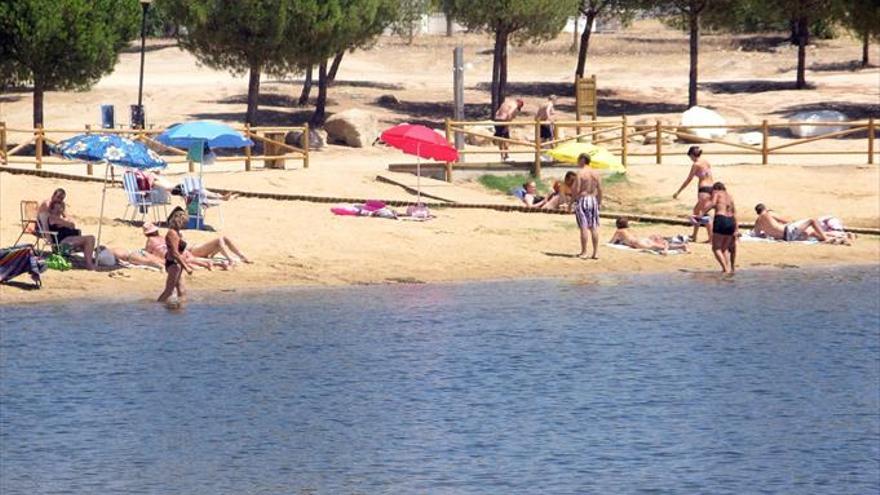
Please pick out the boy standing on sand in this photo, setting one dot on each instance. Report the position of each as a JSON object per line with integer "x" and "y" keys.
{"x": 586, "y": 193}
{"x": 505, "y": 113}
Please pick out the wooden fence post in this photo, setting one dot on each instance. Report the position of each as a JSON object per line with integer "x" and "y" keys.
{"x": 659, "y": 143}
{"x": 536, "y": 168}
{"x": 89, "y": 167}
{"x": 3, "y": 142}
{"x": 38, "y": 150}
{"x": 247, "y": 149}
{"x": 765, "y": 144}
{"x": 306, "y": 146}
{"x": 623, "y": 140}
{"x": 871, "y": 140}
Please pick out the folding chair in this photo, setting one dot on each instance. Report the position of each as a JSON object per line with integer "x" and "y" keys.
{"x": 138, "y": 201}
{"x": 193, "y": 191}
{"x": 32, "y": 225}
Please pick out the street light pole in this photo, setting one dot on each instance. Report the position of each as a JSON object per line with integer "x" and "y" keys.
{"x": 145, "y": 4}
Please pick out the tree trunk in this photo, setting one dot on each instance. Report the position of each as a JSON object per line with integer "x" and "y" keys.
{"x": 866, "y": 39}
{"x": 585, "y": 45}
{"x": 694, "y": 22}
{"x": 576, "y": 38}
{"x": 498, "y": 80}
{"x": 334, "y": 67}
{"x": 307, "y": 88}
{"x": 319, "y": 116}
{"x": 449, "y": 26}
{"x": 803, "y": 35}
{"x": 38, "y": 103}
{"x": 253, "y": 98}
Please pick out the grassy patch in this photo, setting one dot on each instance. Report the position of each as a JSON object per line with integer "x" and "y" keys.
{"x": 615, "y": 179}
{"x": 505, "y": 183}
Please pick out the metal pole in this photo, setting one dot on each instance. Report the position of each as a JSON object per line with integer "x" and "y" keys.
{"x": 458, "y": 86}
{"x": 418, "y": 175}
{"x": 146, "y": 6}
{"x": 103, "y": 197}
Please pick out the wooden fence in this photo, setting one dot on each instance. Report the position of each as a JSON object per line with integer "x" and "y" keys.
{"x": 274, "y": 150}
{"x": 615, "y": 135}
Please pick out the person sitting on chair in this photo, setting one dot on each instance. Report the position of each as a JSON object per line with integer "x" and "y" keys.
{"x": 53, "y": 214}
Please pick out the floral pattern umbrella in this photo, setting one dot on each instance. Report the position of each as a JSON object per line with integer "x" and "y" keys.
{"x": 110, "y": 148}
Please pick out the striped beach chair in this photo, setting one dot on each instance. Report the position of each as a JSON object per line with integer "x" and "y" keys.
{"x": 19, "y": 260}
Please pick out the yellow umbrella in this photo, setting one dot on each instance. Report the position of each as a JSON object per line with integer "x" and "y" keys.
{"x": 600, "y": 158}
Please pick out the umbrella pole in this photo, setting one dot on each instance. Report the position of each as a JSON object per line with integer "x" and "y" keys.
{"x": 103, "y": 196}
{"x": 418, "y": 175}
{"x": 199, "y": 193}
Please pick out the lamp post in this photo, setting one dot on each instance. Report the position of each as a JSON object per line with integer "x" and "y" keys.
{"x": 145, "y": 4}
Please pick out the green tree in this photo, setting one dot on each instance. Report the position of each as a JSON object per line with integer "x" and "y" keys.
{"x": 244, "y": 36}
{"x": 410, "y": 14}
{"x": 59, "y": 45}
{"x": 863, "y": 18}
{"x": 688, "y": 12}
{"x": 802, "y": 13}
{"x": 600, "y": 9}
{"x": 519, "y": 20}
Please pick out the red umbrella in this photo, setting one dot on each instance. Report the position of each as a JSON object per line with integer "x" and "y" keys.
{"x": 420, "y": 141}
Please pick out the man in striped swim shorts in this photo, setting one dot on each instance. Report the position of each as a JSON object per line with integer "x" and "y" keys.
{"x": 587, "y": 199}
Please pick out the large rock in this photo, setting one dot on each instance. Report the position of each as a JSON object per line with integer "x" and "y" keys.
{"x": 357, "y": 128}
{"x": 651, "y": 137}
{"x": 317, "y": 139}
{"x": 483, "y": 137}
{"x": 699, "y": 116}
{"x": 805, "y": 131}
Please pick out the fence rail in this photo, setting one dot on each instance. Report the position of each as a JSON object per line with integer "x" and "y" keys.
{"x": 274, "y": 154}
{"x": 620, "y": 132}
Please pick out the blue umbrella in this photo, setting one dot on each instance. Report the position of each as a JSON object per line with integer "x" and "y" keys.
{"x": 110, "y": 148}
{"x": 214, "y": 134}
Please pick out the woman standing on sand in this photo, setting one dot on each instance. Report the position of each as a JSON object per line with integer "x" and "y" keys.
{"x": 174, "y": 261}
{"x": 703, "y": 172}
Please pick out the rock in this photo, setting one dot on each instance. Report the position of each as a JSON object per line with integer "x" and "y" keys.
{"x": 698, "y": 116}
{"x": 357, "y": 128}
{"x": 479, "y": 140}
{"x": 651, "y": 124}
{"x": 317, "y": 139}
{"x": 805, "y": 131}
{"x": 753, "y": 138}
{"x": 388, "y": 100}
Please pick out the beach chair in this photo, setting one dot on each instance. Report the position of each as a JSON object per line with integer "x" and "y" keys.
{"x": 139, "y": 201}
{"x": 33, "y": 225}
{"x": 193, "y": 191}
{"x": 18, "y": 260}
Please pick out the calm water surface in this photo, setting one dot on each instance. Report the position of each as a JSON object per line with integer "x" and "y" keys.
{"x": 768, "y": 383}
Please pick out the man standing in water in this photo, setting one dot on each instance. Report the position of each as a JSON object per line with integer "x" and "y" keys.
{"x": 724, "y": 228}
{"x": 586, "y": 194}
{"x": 505, "y": 113}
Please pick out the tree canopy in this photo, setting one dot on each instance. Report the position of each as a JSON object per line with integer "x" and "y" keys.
{"x": 58, "y": 45}
{"x": 519, "y": 20}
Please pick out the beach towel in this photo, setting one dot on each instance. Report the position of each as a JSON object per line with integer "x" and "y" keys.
{"x": 622, "y": 247}
{"x": 751, "y": 236}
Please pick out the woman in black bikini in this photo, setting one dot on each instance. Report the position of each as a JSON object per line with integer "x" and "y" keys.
{"x": 703, "y": 172}
{"x": 175, "y": 264}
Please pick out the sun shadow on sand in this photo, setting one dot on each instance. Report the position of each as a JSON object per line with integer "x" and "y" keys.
{"x": 559, "y": 255}
{"x": 366, "y": 84}
{"x": 21, "y": 285}
{"x": 432, "y": 112}
{"x": 153, "y": 47}
{"x": 760, "y": 43}
{"x": 851, "y": 66}
{"x": 264, "y": 117}
{"x": 10, "y": 98}
{"x": 532, "y": 88}
{"x": 750, "y": 86}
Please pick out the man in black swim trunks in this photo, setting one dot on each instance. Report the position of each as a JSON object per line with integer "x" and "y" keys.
{"x": 505, "y": 113}
{"x": 724, "y": 228}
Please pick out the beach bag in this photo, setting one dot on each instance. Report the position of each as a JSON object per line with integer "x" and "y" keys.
{"x": 418, "y": 211}
{"x": 105, "y": 258}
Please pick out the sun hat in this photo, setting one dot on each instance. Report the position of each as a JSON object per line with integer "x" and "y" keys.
{"x": 150, "y": 228}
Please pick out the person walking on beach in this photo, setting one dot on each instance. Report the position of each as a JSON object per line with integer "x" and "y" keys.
{"x": 545, "y": 114}
{"x": 724, "y": 227}
{"x": 586, "y": 193}
{"x": 175, "y": 264}
{"x": 505, "y": 113}
{"x": 703, "y": 172}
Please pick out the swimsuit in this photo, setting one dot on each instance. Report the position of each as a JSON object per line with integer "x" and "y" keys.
{"x": 586, "y": 211}
{"x": 723, "y": 225}
{"x": 546, "y": 132}
{"x": 502, "y": 131}
{"x": 169, "y": 261}
{"x": 704, "y": 190}
{"x": 62, "y": 233}
{"x": 792, "y": 231}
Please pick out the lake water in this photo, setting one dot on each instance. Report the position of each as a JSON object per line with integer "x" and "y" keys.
{"x": 685, "y": 383}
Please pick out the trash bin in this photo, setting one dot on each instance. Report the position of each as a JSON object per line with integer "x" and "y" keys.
{"x": 272, "y": 150}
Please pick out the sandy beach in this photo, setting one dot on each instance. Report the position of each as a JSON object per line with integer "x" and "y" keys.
{"x": 303, "y": 243}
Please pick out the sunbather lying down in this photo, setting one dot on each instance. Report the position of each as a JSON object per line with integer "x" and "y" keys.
{"x": 829, "y": 229}
{"x": 654, "y": 242}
